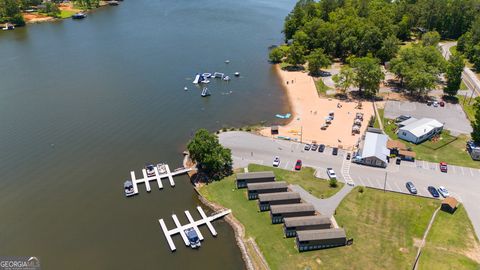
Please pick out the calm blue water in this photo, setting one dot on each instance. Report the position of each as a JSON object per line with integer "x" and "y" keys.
{"x": 84, "y": 102}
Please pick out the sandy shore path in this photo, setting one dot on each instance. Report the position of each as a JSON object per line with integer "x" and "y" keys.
{"x": 309, "y": 112}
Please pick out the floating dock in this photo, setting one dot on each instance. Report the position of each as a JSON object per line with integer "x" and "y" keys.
{"x": 193, "y": 224}
{"x": 157, "y": 177}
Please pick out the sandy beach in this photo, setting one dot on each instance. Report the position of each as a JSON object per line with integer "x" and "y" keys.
{"x": 309, "y": 112}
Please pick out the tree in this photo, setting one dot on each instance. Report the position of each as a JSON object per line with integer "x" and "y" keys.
{"x": 276, "y": 55}
{"x": 344, "y": 79}
{"x": 296, "y": 55}
{"x": 51, "y": 9}
{"x": 390, "y": 47}
{"x": 317, "y": 60}
{"x": 454, "y": 74}
{"x": 431, "y": 38}
{"x": 476, "y": 124}
{"x": 368, "y": 74}
{"x": 211, "y": 157}
{"x": 333, "y": 182}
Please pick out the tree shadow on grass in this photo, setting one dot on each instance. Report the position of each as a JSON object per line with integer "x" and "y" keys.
{"x": 294, "y": 68}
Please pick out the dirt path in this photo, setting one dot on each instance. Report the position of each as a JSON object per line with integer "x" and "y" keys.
{"x": 422, "y": 244}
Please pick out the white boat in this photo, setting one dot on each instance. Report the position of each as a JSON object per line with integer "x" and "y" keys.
{"x": 185, "y": 88}
{"x": 197, "y": 79}
{"x": 226, "y": 78}
{"x": 207, "y": 75}
{"x": 128, "y": 188}
{"x": 8, "y": 26}
{"x": 161, "y": 168}
{"x": 205, "y": 81}
{"x": 237, "y": 74}
{"x": 227, "y": 61}
{"x": 205, "y": 92}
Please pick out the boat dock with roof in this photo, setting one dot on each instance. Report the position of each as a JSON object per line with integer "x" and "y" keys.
{"x": 193, "y": 224}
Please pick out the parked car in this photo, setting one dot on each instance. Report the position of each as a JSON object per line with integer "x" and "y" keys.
{"x": 348, "y": 156}
{"x": 298, "y": 165}
{"x": 443, "y": 191}
{"x": 398, "y": 161}
{"x": 276, "y": 162}
{"x": 435, "y": 104}
{"x": 443, "y": 167}
{"x": 429, "y": 103}
{"x": 442, "y": 104}
{"x": 411, "y": 187}
{"x": 321, "y": 148}
{"x": 307, "y": 147}
{"x": 314, "y": 147}
{"x": 433, "y": 191}
{"x": 335, "y": 151}
{"x": 331, "y": 173}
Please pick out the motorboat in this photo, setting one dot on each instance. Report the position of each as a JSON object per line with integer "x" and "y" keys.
{"x": 227, "y": 61}
{"x": 192, "y": 237}
{"x": 226, "y": 78}
{"x": 113, "y": 3}
{"x": 150, "y": 169}
{"x": 79, "y": 16}
{"x": 237, "y": 74}
{"x": 205, "y": 81}
{"x": 128, "y": 188}
{"x": 207, "y": 75}
{"x": 197, "y": 79}
{"x": 8, "y": 26}
{"x": 161, "y": 168}
{"x": 205, "y": 92}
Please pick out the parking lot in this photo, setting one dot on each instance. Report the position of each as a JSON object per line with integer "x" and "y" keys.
{"x": 463, "y": 183}
{"x": 451, "y": 115}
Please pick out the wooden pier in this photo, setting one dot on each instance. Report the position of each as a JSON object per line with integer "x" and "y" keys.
{"x": 157, "y": 177}
{"x": 193, "y": 224}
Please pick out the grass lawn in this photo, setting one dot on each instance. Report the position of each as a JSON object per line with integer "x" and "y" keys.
{"x": 66, "y": 14}
{"x": 378, "y": 119}
{"x": 317, "y": 187}
{"x": 450, "y": 242}
{"x": 321, "y": 87}
{"x": 384, "y": 227}
{"x": 446, "y": 149}
{"x": 467, "y": 105}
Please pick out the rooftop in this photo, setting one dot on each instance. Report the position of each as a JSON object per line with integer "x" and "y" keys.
{"x": 255, "y": 175}
{"x": 451, "y": 201}
{"x": 422, "y": 126}
{"x": 305, "y": 221}
{"x": 291, "y": 208}
{"x": 267, "y": 185}
{"x": 278, "y": 196}
{"x": 311, "y": 235}
{"x": 375, "y": 146}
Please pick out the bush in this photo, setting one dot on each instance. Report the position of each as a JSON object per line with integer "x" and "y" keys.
{"x": 361, "y": 190}
{"x": 333, "y": 183}
{"x": 18, "y": 20}
{"x": 371, "y": 122}
{"x": 224, "y": 129}
{"x": 248, "y": 129}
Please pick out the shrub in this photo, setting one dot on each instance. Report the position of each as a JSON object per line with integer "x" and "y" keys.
{"x": 333, "y": 183}
{"x": 361, "y": 190}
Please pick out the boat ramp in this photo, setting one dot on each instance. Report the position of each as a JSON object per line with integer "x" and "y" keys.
{"x": 193, "y": 224}
{"x": 157, "y": 177}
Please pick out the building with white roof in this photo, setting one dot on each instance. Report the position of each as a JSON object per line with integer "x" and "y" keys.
{"x": 374, "y": 151}
{"x": 419, "y": 130}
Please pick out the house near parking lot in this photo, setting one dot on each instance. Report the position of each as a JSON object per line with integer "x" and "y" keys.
{"x": 254, "y": 189}
{"x": 293, "y": 224}
{"x": 374, "y": 151}
{"x": 318, "y": 239}
{"x": 279, "y": 212}
{"x": 267, "y": 199}
{"x": 418, "y": 130}
{"x": 254, "y": 177}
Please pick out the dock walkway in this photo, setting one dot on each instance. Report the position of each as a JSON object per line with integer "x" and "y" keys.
{"x": 157, "y": 177}
{"x": 193, "y": 224}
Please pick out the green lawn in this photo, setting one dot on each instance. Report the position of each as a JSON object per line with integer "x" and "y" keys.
{"x": 467, "y": 105}
{"x": 378, "y": 119}
{"x": 322, "y": 88}
{"x": 317, "y": 187}
{"x": 450, "y": 240}
{"x": 66, "y": 14}
{"x": 446, "y": 149}
{"x": 384, "y": 227}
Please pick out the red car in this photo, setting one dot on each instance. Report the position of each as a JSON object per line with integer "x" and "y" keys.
{"x": 443, "y": 167}
{"x": 442, "y": 104}
{"x": 298, "y": 165}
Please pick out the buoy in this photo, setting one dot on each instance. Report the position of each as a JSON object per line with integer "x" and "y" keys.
{"x": 185, "y": 88}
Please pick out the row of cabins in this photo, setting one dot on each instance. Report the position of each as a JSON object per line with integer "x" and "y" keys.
{"x": 300, "y": 220}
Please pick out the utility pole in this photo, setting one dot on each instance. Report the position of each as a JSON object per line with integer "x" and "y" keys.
{"x": 301, "y": 134}
{"x": 385, "y": 183}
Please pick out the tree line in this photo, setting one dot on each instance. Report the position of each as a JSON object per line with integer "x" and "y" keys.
{"x": 469, "y": 44}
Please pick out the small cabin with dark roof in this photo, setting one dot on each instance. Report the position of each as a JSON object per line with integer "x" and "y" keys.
{"x": 267, "y": 199}
{"x": 269, "y": 187}
{"x": 319, "y": 239}
{"x": 254, "y": 177}
{"x": 294, "y": 224}
{"x": 279, "y": 212}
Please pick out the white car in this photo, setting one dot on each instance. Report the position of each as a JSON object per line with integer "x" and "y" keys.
{"x": 443, "y": 191}
{"x": 276, "y": 162}
{"x": 331, "y": 173}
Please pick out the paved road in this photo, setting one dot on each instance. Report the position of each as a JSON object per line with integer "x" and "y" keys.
{"x": 452, "y": 115}
{"x": 468, "y": 77}
{"x": 324, "y": 206}
{"x": 463, "y": 183}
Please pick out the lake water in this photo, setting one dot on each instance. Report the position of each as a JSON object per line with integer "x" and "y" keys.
{"x": 84, "y": 102}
